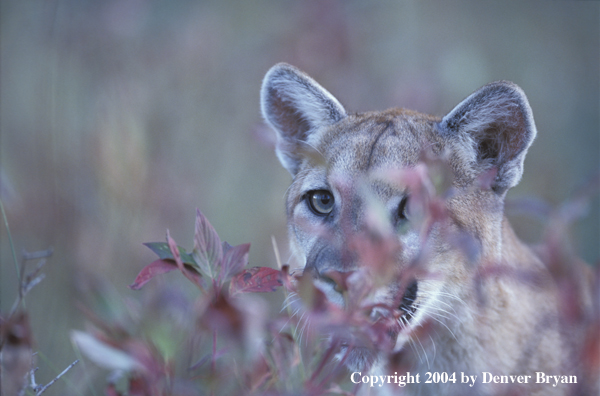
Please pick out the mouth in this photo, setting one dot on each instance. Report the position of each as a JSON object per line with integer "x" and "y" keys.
{"x": 407, "y": 306}
{"x": 360, "y": 357}
{"x": 357, "y": 358}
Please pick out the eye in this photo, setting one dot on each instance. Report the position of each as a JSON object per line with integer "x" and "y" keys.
{"x": 402, "y": 209}
{"x": 320, "y": 202}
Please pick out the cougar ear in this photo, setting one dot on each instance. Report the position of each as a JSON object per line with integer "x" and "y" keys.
{"x": 494, "y": 128}
{"x": 296, "y": 106}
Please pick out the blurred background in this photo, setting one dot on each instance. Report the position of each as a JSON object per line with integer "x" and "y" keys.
{"x": 119, "y": 118}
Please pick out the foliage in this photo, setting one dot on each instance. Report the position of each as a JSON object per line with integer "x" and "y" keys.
{"x": 225, "y": 337}
{"x": 224, "y": 341}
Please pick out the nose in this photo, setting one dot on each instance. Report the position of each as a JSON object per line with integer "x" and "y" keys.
{"x": 335, "y": 279}
{"x": 329, "y": 267}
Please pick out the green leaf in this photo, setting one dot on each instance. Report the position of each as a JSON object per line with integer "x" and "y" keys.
{"x": 164, "y": 253}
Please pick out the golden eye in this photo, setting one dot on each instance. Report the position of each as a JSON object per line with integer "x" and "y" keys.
{"x": 320, "y": 202}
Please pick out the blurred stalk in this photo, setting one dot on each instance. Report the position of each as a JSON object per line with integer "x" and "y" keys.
{"x": 12, "y": 246}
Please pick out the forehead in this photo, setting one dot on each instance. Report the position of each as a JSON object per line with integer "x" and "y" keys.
{"x": 364, "y": 142}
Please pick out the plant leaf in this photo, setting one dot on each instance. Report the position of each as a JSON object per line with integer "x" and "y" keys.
{"x": 256, "y": 280}
{"x": 234, "y": 260}
{"x": 226, "y": 246}
{"x": 157, "y": 267}
{"x": 164, "y": 252}
{"x": 104, "y": 355}
{"x": 208, "y": 251}
{"x": 189, "y": 272}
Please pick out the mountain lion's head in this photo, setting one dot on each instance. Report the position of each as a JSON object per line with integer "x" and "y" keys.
{"x": 363, "y": 176}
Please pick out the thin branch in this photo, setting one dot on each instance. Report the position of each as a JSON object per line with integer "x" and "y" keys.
{"x": 31, "y": 284}
{"x": 40, "y": 254}
{"x": 38, "y": 389}
{"x": 276, "y": 250}
{"x": 30, "y": 280}
{"x": 32, "y": 382}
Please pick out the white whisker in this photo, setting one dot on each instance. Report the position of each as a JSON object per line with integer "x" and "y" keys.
{"x": 434, "y": 349}
{"x": 289, "y": 300}
{"x": 424, "y": 352}
{"x": 447, "y": 328}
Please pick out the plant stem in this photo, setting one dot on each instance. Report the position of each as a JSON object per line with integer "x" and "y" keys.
{"x": 213, "y": 363}
{"x": 12, "y": 246}
{"x": 324, "y": 359}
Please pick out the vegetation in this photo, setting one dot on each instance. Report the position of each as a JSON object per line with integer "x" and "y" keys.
{"x": 222, "y": 339}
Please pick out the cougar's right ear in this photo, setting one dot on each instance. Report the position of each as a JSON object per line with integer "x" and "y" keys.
{"x": 296, "y": 106}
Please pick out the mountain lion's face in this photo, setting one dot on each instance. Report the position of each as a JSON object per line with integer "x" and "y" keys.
{"x": 362, "y": 202}
{"x": 364, "y": 181}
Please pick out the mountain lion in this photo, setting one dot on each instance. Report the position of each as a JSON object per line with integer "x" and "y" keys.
{"x": 479, "y": 302}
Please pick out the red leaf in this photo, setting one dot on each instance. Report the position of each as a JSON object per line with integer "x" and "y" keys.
{"x": 139, "y": 386}
{"x": 208, "y": 251}
{"x": 157, "y": 267}
{"x": 111, "y": 390}
{"x": 256, "y": 280}
{"x": 235, "y": 259}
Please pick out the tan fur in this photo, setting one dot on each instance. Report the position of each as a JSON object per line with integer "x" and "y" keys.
{"x": 490, "y": 301}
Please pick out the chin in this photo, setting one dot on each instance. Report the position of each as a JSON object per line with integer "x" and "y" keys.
{"x": 358, "y": 358}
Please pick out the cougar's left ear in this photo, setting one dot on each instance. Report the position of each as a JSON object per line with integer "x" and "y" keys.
{"x": 493, "y": 127}
{"x": 296, "y": 106}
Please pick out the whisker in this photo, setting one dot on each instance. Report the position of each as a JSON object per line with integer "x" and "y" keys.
{"x": 447, "y": 328}
{"x": 403, "y": 321}
{"x": 434, "y": 349}
{"x": 303, "y": 323}
{"x": 448, "y": 295}
{"x": 424, "y": 352}
{"x": 441, "y": 313}
{"x": 289, "y": 300}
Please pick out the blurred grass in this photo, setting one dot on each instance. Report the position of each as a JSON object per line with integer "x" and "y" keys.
{"x": 119, "y": 118}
